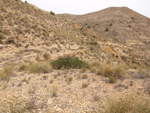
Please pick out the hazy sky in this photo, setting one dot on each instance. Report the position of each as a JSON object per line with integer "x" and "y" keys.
{"x": 86, "y": 6}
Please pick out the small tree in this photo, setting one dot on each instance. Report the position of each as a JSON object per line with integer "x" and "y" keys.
{"x": 52, "y": 13}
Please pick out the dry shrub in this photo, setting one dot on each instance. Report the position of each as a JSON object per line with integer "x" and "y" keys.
{"x": 128, "y": 104}
{"x": 6, "y": 73}
{"x": 42, "y": 67}
{"x": 113, "y": 72}
{"x": 46, "y": 56}
{"x": 54, "y": 91}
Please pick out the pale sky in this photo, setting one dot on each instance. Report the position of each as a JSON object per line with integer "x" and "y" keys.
{"x": 87, "y": 6}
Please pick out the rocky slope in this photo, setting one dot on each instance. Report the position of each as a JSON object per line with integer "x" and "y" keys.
{"x": 119, "y": 25}
{"x": 32, "y": 39}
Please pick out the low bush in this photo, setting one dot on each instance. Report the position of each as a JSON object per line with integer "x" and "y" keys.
{"x": 68, "y": 63}
{"x": 128, "y": 104}
{"x": 52, "y": 13}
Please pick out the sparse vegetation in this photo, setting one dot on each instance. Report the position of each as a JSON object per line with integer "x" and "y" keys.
{"x": 106, "y": 29}
{"x": 10, "y": 41}
{"x": 129, "y": 25}
{"x": 51, "y": 81}
{"x": 46, "y": 56}
{"x": 128, "y": 104}
{"x": 69, "y": 79}
{"x": 6, "y": 32}
{"x": 40, "y": 68}
{"x": 54, "y": 91}
{"x": 110, "y": 71}
{"x": 2, "y": 36}
{"x": 46, "y": 82}
{"x": 6, "y": 73}
{"x": 68, "y": 63}
{"x": 112, "y": 79}
{"x": 52, "y": 13}
{"x": 116, "y": 39}
{"x": 38, "y": 59}
{"x": 84, "y": 85}
{"x": 84, "y": 76}
{"x": 36, "y": 67}
{"x": 23, "y": 67}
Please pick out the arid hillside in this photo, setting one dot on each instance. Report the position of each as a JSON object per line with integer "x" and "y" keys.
{"x": 119, "y": 25}
{"x": 51, "y": 65}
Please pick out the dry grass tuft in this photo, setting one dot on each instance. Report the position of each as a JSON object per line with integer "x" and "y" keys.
{"x": 42, "y": 67}
{"x": 6, "y": 73}
{"x": 54, "y": 91}
{"x": 113, "y": 72}
{"x": 46, "y": 56}
{"x": 84, "y": 85}
{"x": 128, "y": 104}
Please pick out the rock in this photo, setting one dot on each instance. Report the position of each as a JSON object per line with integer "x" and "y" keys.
{"x": 58, "y": 109}
{"x": 50, "y": 101}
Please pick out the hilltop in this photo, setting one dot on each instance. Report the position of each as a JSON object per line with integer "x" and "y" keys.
{"x": 119, "y": 25}
{"x": 52, "y": 65}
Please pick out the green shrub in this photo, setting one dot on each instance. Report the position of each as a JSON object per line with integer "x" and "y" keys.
{"x": 68, "y": 63}
{"x": 128, "y": 104}
{"x": 52, "y": 13}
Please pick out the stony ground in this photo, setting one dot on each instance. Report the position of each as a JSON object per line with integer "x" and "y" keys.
{"x": 25, "y": 38}
{"x": 62, "y": 91}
